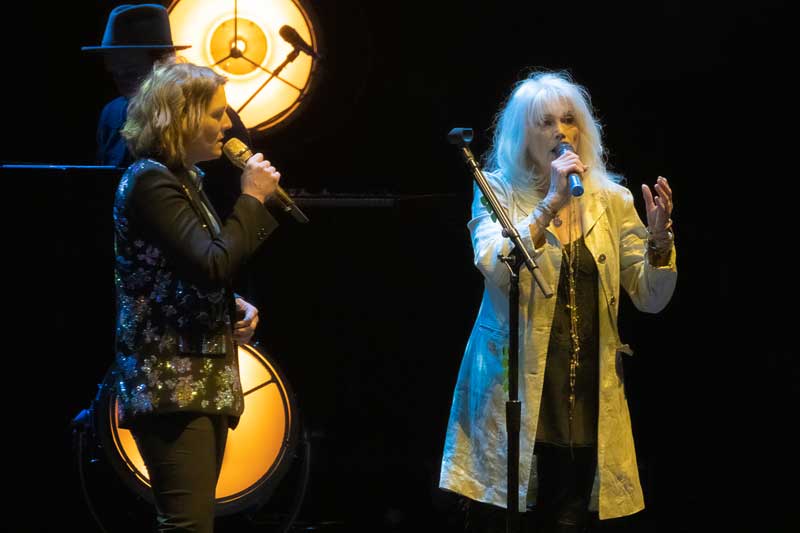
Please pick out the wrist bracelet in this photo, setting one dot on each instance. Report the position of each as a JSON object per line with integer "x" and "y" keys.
{"x": 541, "y": 218}
{"x": 666, "y": 229}
{"x": 547, "y": 210}
{"x": 661, "y": 243}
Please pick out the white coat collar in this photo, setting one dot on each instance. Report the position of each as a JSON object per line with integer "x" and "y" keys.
{"x": 597, "y": 195}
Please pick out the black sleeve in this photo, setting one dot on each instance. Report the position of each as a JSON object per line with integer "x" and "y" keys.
{"x": 159, "y": 204}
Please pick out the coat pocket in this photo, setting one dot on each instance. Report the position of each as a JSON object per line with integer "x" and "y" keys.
{"x": 492, "y": 344}
{"x": 485, "y": 374}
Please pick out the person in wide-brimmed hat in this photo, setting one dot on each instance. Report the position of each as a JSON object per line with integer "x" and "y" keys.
{"x": 137, "y": 37}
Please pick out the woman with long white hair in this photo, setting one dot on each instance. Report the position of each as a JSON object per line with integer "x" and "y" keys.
{"x": 576, "y": 445}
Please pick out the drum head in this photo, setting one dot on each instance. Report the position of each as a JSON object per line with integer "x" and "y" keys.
{"x": 257, "y": 453}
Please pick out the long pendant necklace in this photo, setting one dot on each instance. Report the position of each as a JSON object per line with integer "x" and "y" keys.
{"x": 573, "y": 262}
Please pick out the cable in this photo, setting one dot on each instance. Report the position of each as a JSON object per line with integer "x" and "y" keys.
{"x": 79, "y": 435}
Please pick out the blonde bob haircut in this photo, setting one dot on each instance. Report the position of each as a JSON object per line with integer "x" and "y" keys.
{"x": 167, "y": 111}
{"x": 530, "y": 100}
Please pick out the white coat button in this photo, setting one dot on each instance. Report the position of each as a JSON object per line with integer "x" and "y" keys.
{"x": 613, "y": 301}
{"x": 602, "y": 258}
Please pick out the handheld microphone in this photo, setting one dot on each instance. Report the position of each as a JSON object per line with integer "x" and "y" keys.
{"x": 291, "y": 36}
{"x": 574, "y": 179}
{"x": 239, "y": 153}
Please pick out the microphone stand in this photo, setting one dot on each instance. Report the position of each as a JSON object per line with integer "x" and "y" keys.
{"x": 291, "y": 56}
{"x": 518, "y": 256}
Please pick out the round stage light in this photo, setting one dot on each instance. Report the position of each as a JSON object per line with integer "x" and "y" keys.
{"x": 268, "y": 78}
{"x": 257, "y": 453}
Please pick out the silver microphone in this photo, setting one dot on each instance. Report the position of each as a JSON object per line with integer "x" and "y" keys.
{"x": 238, "y": 152}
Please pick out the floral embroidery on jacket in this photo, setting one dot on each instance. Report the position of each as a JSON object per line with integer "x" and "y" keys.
{"x": 172, "y": 349}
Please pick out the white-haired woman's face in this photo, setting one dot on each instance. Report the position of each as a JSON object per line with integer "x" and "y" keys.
{"x": 558, "y": 124}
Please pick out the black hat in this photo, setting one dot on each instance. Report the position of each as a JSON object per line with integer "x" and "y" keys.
{"x": 143, "y": 26}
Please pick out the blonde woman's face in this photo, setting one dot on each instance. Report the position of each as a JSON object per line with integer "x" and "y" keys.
{"x": 557, "y": 125}
{"x": 207, "y": 145}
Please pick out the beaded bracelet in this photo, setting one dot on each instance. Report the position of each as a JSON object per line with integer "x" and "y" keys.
{"x": 660, "y": 242}
{"x": 541, "y": 217}
{"x": 547, "y": 210}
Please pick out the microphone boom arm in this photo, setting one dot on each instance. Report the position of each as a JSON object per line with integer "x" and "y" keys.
{"x": 509, "y": 230}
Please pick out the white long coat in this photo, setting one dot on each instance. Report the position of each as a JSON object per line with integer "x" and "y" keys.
{"x": 475, "y": 453}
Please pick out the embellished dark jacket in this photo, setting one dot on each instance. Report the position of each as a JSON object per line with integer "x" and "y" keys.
{"x": 175, "y": 262}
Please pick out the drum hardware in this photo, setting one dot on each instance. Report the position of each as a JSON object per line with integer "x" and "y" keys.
{"x": 258, "y": 454}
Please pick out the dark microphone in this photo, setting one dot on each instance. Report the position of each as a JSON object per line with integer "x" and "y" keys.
{"x": 239, "y": 153}
{"x": 291, "y": 36}
{"x": 574, "y": 179}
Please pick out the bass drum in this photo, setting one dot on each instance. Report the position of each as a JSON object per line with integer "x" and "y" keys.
{"x": 257, "y": 453}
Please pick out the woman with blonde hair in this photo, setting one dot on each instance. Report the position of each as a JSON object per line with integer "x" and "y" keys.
{"x": 176, "y": 370}
{"x": 575, "y": 432}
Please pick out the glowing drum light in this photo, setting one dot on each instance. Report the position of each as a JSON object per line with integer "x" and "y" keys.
{"x": 257, "y": 453}
{"x": 240, "y": 40}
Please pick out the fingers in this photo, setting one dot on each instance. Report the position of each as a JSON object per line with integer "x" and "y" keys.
{"x": 243, "y": 336}
{"x": 263, "y": 164}
{"x": 664, "y": 193}
{"x": 244, "y": 326}
{"x": 258, "y": 161}
{"x": 250, "y": 314}
{"x": 269, "y": 169}
{"x": 661, "y": 202}
{"x": 260, "y": 178}
{"x": 249, "y": 319}
{"x": 569, "y": 162}
{"x": 658, "y": 207}
{"x": 648, "y": 198}
{"x": 560, "y": 168}
{"x": 662, "y": 181}
{"x": 244, "y": 329}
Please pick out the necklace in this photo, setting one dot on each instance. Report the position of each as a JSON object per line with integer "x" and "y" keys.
{"x": 573, "y": 262}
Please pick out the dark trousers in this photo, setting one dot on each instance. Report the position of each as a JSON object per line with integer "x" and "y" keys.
{"x": 183, "y": 454}
{"x": 566, "y": 477}
{"x": 562, "y": 503}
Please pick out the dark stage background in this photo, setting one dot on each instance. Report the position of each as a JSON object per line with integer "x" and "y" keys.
{"x": 367, "y": 309}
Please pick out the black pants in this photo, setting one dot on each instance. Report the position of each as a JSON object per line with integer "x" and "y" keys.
{"x": 565, "y": 486}
{"x": 183, "y": 454}
{"x": 562, "y": 503}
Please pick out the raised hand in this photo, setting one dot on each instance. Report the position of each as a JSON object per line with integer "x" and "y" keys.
{"x": 659, "y": 208}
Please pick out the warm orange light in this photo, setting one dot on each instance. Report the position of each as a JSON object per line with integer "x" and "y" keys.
{"x": 213, "y": 31}
{"x": 257, "y": 444}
